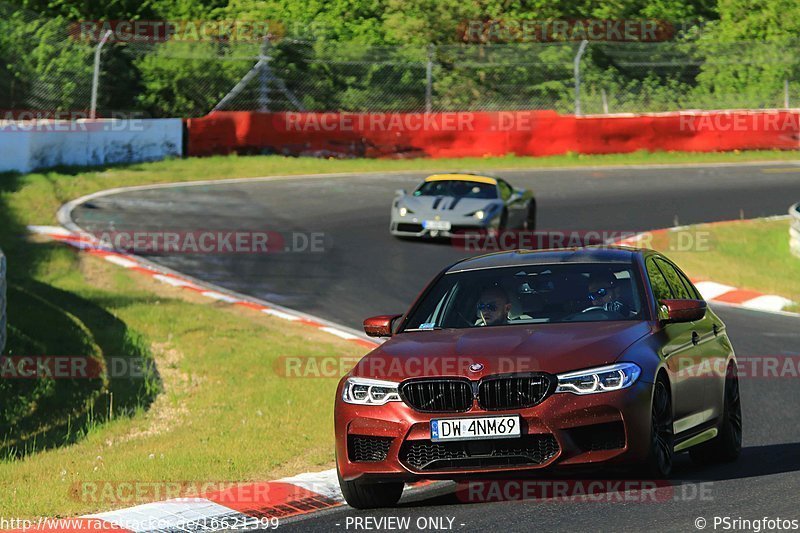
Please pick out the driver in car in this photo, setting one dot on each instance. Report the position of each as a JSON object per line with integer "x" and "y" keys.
{"x": 604, "y": 294}
{"x": 493, "y": 307}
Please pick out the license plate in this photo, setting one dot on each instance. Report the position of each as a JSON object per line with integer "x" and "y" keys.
{"x": 437, "y": 224}
{"x": 489, "y": 427}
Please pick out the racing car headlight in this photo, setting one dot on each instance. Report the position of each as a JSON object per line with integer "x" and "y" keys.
{"x": 364, "y": 391}
{"x": 483, "y": 214}
{"x": 601, "y": 379}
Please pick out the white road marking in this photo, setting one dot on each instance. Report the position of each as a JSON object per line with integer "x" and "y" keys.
{"x": 170, "y": 514}
{"x": 338, "y": 333}
{"x": 175, "y": 282}
{"x": 767, "y": 302}
{"x": 280, "y": 314}
{"x": 325, "y": 483}
{"x": 121, "y": 261}
{"x": 219, "y": 296}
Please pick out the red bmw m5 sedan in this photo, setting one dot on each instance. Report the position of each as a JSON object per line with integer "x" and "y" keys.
{"x": 527, "y": 360}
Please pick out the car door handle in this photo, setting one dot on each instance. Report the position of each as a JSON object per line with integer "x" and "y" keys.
{"x": 695, "y": 338}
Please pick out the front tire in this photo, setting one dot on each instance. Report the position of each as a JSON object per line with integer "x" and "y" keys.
{"x": 727, "y": 445}
{"x": 365, "y": 495}
{"x": 662, "y": 436}
{"x": 530, "y": 221}
{"x": 503, "y": 224}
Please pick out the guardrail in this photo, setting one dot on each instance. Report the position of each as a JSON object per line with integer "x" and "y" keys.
{"x": 488, "y": 133}
{"x": 794, "y": 230}
{"x": 2, "y": 301}
{"x": 26, "y": 146}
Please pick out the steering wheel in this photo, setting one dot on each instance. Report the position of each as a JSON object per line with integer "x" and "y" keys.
{"x": 601, "y": 312}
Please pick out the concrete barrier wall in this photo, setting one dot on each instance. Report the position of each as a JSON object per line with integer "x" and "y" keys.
{"x": 478, "y": 134}
{"x": 794, "y": 230}
{"x": 3, "y": 319}
{"x": 28, "y": 146}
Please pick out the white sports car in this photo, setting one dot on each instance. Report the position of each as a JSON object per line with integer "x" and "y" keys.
{"x": 445, "y": 205}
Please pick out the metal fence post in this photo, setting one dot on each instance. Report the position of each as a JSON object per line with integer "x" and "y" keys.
{"x": 96, "y": 75}
{"x": 429, "y": 80}
{"x": 786, "y": 93}
{"x": 577, "y": 72}
{"x": 2, "y": 301}
{"x": 263, "y": 93}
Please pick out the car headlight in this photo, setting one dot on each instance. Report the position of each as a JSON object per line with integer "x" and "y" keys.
{"x": 485, "y": 213}
{"x": 364, "y": 391}
{"x": 403, "y": 211}
{"x": 601, "y": 379}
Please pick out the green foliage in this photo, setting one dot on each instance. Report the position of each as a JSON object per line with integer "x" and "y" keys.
{"x": 186, "y": 79}
{"x": 367, "y": 55}
{"x": 43, "y": 69}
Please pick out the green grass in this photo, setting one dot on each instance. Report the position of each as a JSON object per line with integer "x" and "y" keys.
{"x": 749, "y": 254}
{"x": 215, "y": 410}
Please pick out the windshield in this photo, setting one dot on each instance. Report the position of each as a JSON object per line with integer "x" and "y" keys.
{"x": 458, "y": 189}
{"x": 530, "y": 294}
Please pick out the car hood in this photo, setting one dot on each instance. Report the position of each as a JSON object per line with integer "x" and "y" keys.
{"x": 552, "y": 348}
{"x": 443, "y": 205}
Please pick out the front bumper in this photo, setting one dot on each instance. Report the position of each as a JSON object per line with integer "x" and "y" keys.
{"x": 565, "y": 430}
{"x": 413, "y": 227}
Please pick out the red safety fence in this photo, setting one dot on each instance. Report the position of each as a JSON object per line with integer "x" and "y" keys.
{"x": 478, "y": 134}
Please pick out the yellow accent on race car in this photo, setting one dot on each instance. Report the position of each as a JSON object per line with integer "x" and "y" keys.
{"x": 462, "y": 177}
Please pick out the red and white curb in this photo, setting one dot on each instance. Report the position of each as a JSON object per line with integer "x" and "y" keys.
{"x": 90, "y": 245}
{"x": 240, "y": 506}
{"x": 717, "y": 292}
{"x": 243, "y": 506}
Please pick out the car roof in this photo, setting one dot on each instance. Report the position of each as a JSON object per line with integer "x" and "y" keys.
{"x": 589, "y": 254}
{"x": 462, "y": 177}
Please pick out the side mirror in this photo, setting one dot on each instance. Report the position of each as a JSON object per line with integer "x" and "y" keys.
{"x": 682, "y": 310}
{"x": 380, "y": 326}
{"x": 400, "y": 192}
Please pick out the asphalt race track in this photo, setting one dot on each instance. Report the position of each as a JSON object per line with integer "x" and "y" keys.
{"x": 363, "y": 271}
